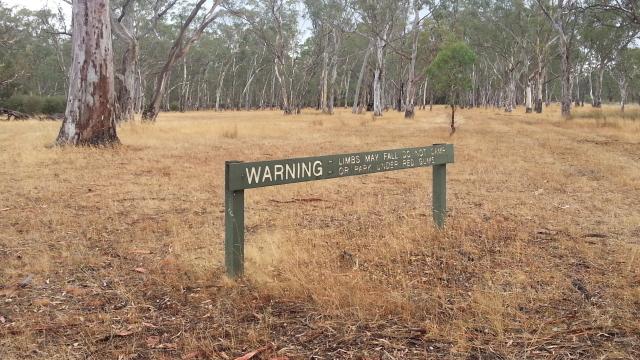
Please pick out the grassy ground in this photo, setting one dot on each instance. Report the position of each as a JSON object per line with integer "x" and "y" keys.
{"x": 120, "y": 250}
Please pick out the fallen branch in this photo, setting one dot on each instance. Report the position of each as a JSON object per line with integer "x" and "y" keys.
{"x": 15, "y": 114}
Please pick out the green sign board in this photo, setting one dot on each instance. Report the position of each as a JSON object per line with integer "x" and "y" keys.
{"x": 247, "y": 175}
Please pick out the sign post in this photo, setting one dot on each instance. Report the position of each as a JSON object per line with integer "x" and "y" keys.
{"x": 233, "y": 226}
{"x": 439, "y": 197}
{"x": 247, "y": 175}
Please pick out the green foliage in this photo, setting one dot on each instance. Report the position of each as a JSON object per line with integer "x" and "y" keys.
{"x": 54, "y": 105}
{"x": 35, "y": 104}
{"x": 174, "y": 106}
{"x": 450, "y": 71}
{"x": 29, "y": 58}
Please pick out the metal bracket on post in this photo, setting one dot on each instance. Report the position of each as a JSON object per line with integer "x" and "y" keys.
{"x": 233, "y": 226}
{"x": 439, "y": 203}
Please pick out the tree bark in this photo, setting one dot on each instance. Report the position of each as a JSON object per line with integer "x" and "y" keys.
{"x": 411, "y": 78}
{"x": 528, "y": 105}
{"x": 511, "y": 91}
{"x": 453, "y": 116}
{"x": 378, "y": 73}
{"x": 539, "y": 84}
{"x": 565, "y": 9}
{"x": 347, "y": 77}
{"x": 334, "y": 70}
{"x": 622, "y": 86}
{"x": 220, "y": 83}
{"x": 283, "y": 88}
{"x": 565, "y": 101}
{"x": 356, "y": 95}
{"x": 593, "y": 101}
{"x": 90, "y": 113}
{"x": 324, "y": 75}
{"x": 598, "y": 102}
{"x": 128, "y": 82}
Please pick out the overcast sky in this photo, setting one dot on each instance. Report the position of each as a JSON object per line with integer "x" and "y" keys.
{"x": 305, "y": 25}
{"x": 36, "y": 4}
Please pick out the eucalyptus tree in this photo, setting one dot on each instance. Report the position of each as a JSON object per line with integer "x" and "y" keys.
{"x": 413, "y": 76}
{"x": 358, "y": 101}
{"x": 603, "y": 35}
{"x": 499, "y": 32}
{"x": 564, "y": 16}
{"x": 625, "y": 68}
{"x": 10, "y": 41}
{"x": 628, "y": 10}
{"x": 329, "y": 19}
{"x": 378, "y": 20}
{"x": 90, "y": 114}
{"x": 450, "y": 72}
{"x": 542, "y": 39}
{"x": 511, "y": 42}
{"x": 275, "y": 23}
{"x": 33, "y": 45}
{"x": 187, "y": 36}
{"x": 134, "y": 21}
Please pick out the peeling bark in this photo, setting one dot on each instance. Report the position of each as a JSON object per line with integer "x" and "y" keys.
{"x": 90, "y": 113}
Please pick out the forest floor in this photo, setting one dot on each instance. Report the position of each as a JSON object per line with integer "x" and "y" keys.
{"x": 118, "y": 253}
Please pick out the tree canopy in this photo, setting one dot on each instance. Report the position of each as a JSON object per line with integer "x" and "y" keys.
{"x": 366, "y": 55}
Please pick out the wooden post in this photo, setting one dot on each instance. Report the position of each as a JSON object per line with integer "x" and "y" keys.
{"x": 439, "y": 198}
{"x": 233, "y": 227}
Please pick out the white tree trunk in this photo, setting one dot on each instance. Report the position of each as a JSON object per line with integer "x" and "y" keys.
{"x": 378, "y": 74}
{"x": 128, "y": 89}
{"x": 283, "y": 88}
{"x": 333, "y": 71}
{"x": 220, "y": 83}
{"x": 411, "y": 78}
{"x": 528, "y": 100}
{"x": 90, "y": 114}
{"x": 565, "y": 101}
{"x": 324, "y": 75}
{"x": 511, "y": 92}
{"x": 598, "y": 102}
{"x": 593, "y": 102}
{"x": 622, "y": 85}
{"x": 356, "y": 96}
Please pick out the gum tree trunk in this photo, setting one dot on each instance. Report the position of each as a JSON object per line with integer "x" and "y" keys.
{"x": 561, "y": 22}
{"x": 528, "y": 105}
{"x": 356, "y": 96}
{"x": 593, "y": 102}
{"x": 622, "y": 86}
{"x": 324, "y": 75}
{"x": 565, "y": 100}
{"x": 378, "y": 73}
{"x": 598, "y": 101}
{"x": 128, "y": 82}
{"x": 333, "y": 71}
{"x": 90, "y": 114}
{"x": 539, "y": 83}
{"x": 511, "y": 91}
{"x": 411, "y": 79}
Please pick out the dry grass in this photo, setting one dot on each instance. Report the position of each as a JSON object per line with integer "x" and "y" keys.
{"x": 540, "y": 258}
